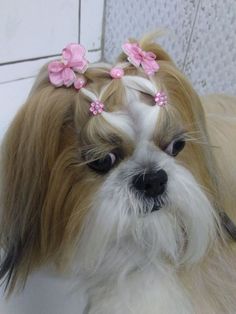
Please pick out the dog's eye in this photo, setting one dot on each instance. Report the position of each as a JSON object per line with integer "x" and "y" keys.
{"x": 104, "y": 164}
{"x": 175, "y": 147}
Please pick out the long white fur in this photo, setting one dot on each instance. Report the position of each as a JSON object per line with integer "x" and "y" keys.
{"x": 119, "y": 246}
{"x": 121, "y": 121}
{"x": 90, "y": 95}
{"x": 139, "y": 115}
{"x": 129, "y": 260}
{"x": 127, "y": 255}
{"x": 140, "y": 84}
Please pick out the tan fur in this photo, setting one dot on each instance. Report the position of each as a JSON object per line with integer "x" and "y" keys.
{"x": 221, "y": 121}
{"x": 46, "y": 187}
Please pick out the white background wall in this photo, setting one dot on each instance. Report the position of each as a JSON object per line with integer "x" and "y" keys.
{"x": 201, "y": 39}
{"x": 33, "y": 32}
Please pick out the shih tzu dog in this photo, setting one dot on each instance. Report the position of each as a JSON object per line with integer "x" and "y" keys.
{"x": 122, "y": 176}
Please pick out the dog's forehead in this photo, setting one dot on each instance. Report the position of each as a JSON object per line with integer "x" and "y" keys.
{"x": 137, "y": 119}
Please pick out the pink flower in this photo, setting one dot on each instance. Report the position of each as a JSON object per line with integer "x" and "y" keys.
{"x": 73, "y": 60}
{"x": 74, "y": 57}
{"x": 138, "y": 57}
{"x": 96, "y": 107}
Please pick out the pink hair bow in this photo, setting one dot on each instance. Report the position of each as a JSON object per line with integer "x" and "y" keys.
{"x": 63, "y": 72}
{"x": 138, "y": 57}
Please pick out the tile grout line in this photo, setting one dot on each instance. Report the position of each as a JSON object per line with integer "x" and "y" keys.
{"x": 16, "y": 80}
{"x": 79, "y": 20}
{"x": 103, "y": 29}
{"x": 191, "y": 35}
{"x": 38, "y": 58}
{"x": 28, "y": 60}
{"x": 32, "y": 76}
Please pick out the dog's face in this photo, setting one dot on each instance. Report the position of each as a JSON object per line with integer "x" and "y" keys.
{"x": 152, "y": 188}
{"x": 138, "y": 174}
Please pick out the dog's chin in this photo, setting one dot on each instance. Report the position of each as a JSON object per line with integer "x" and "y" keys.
{"x": 147, "y": 205}
{"x": 156, "y": 207}
{"x": 179, "y": 229}
{"x": 159, "y": 204}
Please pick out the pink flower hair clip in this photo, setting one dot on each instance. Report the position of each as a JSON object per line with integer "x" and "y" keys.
{"x": 96, "y": 107}
{"x": 160, "y": 99}
{"x": 138, "y": 57}
{"x": 63, "y": 72}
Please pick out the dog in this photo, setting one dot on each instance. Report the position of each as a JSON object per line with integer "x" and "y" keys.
{"x": 122, "y": 178}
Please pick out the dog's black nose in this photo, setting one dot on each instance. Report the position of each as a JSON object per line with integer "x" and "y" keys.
{"x": 151, "y": 184}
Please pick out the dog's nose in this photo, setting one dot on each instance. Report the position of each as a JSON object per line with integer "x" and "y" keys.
{"x": 151, "y": 184}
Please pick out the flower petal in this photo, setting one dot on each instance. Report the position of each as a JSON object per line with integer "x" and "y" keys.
{"x": 150, "y": 55}
{"x": 73, "y": 54}
{"x": 81, "y": 66}
{"x": 55, "y": 66}
{"x": 150, "y": 67}
{"x": 68, "y": 76}
{"x": 56, "y": 79}
{"x": 134, "y": 53}
{"x": 128, "y": 48}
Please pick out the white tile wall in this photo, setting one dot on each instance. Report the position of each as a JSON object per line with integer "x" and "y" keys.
{"x": 36, "y": 28}
{"x": 201, "y": 39}
{"x": 34, "y": 32}
{"x": 12, "y": 95}
{"x": 133, "y": 18}
{"x": 211, "y": 59}
{"x": 30, "y": 31}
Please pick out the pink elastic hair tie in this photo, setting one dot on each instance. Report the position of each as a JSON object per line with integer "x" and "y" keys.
{"x": 160, "y": 99}
{"x": 116, "y": 73}
{"x": 96, "y": 107}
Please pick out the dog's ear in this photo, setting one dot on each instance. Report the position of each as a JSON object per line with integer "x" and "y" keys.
{"x": 29, "y": 152}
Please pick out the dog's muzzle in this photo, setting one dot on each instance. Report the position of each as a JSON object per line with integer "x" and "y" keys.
{"x": 151, "y": 186}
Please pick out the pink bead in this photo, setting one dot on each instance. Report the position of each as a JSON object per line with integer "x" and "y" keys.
{"x": 160, "y": 99}
{"x": 79, "y": 83}
{"x": 96, "y": 107}
{"x": 116, "y": 73}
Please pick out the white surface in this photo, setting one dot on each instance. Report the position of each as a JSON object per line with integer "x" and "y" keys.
{"x": 27, "y": 69}
{"x": 91, "y": 23}
{"x": 201, "y": 38}
{"x": 134, "y": 18}
{"x": 12, "y": 96}
{"x": 45, "y": 294}
{"x": 36, "y": 28}
{"x": 30, "y": 29}
{"x": 21, "y": 70}
{"x": 211, "y": 60}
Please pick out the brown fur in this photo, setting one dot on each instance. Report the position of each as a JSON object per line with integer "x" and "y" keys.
{"x": 46, "y": 187}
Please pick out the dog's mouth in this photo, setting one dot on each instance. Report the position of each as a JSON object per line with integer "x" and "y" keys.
{"x": 149, "y": 204}
{"x": 156, "y": 207}
{"x": 158, "y": 204}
